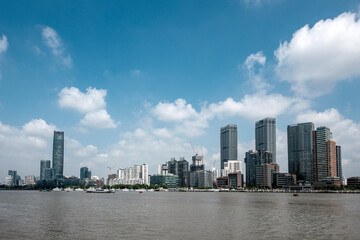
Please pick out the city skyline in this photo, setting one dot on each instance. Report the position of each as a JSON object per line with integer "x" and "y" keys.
{"x": 139, "y": 84}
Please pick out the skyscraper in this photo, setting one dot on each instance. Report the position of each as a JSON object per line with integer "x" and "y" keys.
{"x": 300, "y": 150}
{"x": 58, "y": 154}
{"x": 265, "y": 136}
{"x": 254, "y": 161}
{"x": 228, "y": 143}
{"x": 13, "y": 174}
{"x": 85, "y": 173}
{"x": 326, "y": 165}
{"x": 339, "y": 162}
{"x": 43, "y": 165}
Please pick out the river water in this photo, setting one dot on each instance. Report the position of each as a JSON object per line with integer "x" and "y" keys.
{"x": 178, "y": 215}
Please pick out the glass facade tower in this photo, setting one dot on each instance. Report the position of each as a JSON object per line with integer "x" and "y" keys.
{"x": 44, "y": 164}
{"x": 265, "y": 136}
{"x": 58, "y": 154}
{"x": 300, "y": 150}
{"x": 228, "y": 143}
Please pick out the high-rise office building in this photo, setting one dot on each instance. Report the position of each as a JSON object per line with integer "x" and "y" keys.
{"x": 339, "y": 162}
{"x": 228, "y": 143}
{"x": 58, "y": 154}
{"x": 13, "y": 174}
{"x": 197, "y": 164}
{"x": 43, "y": 165}
{"x": 265, "y": 136}
{"x": 183, "y": 172}
{"x": 326, "y": 158}
{"x": 85, "y": 173}
{"x": 300, "y": 150}
{"x": 253, "y": 160}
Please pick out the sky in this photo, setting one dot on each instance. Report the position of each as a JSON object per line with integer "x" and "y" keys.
{"x": 133, "y": 82}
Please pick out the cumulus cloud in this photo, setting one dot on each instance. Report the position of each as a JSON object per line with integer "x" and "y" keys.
{"x": 176, "y": 111}
{"x": 98, "y": 119}
{"x": 53, "y": 41}
{"x": 316, "y": 58}
{"x": 39, "y": 127}
{"x": 254, "y": 64}
{"x": 92, "y": 100}
{"x": 191, "y": 122}
{"x": 4, "y": 44}
{"x": 345, "y": 131}
{"x": 91, "y": 103}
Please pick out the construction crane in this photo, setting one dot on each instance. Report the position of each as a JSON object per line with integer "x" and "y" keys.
{"x": 202, "y": 156}
{"x": 195, "y": 152}
{"x": 110, "y": 169}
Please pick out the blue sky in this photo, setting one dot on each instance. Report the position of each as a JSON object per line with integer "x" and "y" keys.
{"x": 132, "y": 82}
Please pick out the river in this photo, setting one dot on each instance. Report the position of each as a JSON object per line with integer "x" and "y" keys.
{"x": 178, "y": 215}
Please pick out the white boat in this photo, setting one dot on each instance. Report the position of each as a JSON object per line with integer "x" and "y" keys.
{"x": 57, "y": 189}
{"x": 79, "y": 190}
{"x": 69, "y": 189}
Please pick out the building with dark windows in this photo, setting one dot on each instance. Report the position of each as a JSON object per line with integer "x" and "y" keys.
{"x": 265, "y": 174}
{"x": 58, "y": 155}
{"x": 339, "y": 163}
{"x": 172, "y": 181}
{"x": 265, "y": 136}
{"x": 254, "y": 159}
{"x": 235, "y": 180}
{"x": 284, "y": 179}
{"x": 199, "y": 177}
{"x": 228, "y": 143}
{"x": 85, "y": 173}
{"x": 183, "y": 172}
{"x": 353, "y": 181}
{"x": 44, "y": 164}
{"x": 300, "y": 150}
{"x": 326, "y": 158}
{"x": 14, "y": 178}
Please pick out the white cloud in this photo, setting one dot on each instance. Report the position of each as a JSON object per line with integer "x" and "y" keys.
{"x": 92, "y": 104}
{"x": 346, "y": 133}
{"x": 257, "y": 106}
{"x": 317, "y": 58}
{"x": 190, "y": 122}
{"x": 92, "y": 100}
{"x": 98, "y": 119}
{"x": 177, "y": 111}
{"x": 254, "y": 64}
{"x": 54, "y": 42}
{"x": 4, "y": 44}
{"x": 39, "y": 127}
{"x": 135, "y": 72}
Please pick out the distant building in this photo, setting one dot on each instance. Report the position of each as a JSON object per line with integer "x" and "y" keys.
{"x": 353, "y": 181}
{"x": 228, "y": 144}
{"x": 43, "y": 165}
{"x": 201, "y": 179}
{"x": 222, "y": 182}
{"x": 13, "y": 174}
{"x": 197, "y": 164}
{"x": 9, "y": 180}
{"x": 183, "y": 172}
{"x": 30, "y": 180}
{"x": 253, "y": 160}
{"x": 58, "y": 154}
{"x": 265, "y": 136}
{"x": 265, "y": 174}
{"x": 163, "y": 169}
{"x": 49, "y": 174}
{"x": 300, "y": 150}
{"x": 85, "y": 173}
{"x": 327, "y": 157}
{"x": 284, "y": 179}
{"x": 232, "y": 166}
{"x": 339, "y": 162}
{"x": 139, "y": 174}
{"x": 235, "y": 180}
{"x": 172, "y": 181}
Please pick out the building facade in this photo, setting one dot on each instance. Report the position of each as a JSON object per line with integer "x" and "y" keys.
{"x": 43, "y": 165}
{"x": 265, "y": 136}
{"x": 228, "y": 144}
{"x": 58, "y": 154}
{"x": 300, "y": 150}
{"x": 326, "y": 158}
{"x": 85, "y": 173}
